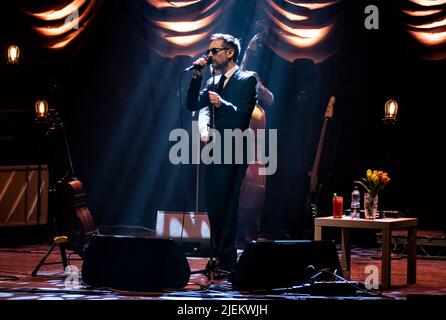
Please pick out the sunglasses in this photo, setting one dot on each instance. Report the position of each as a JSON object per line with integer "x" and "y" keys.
{"x": 216, "y": 50}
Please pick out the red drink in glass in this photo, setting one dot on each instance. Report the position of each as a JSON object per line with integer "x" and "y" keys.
{"x": 338, "y": 206}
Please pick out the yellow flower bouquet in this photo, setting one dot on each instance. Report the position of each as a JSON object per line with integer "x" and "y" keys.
{"x": 373, "y": 183}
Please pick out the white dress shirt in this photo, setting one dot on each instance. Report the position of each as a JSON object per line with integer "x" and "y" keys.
{"x": 204, "y": 115}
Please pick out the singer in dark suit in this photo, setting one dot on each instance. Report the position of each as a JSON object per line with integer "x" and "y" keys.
{"x": 228, "y": 100}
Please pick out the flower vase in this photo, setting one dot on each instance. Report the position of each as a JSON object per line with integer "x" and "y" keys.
{"x": 370, "y": 206}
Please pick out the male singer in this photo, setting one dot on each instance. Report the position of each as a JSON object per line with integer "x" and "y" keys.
{"x": 229, "y": 99}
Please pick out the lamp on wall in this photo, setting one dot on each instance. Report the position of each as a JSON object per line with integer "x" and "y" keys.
{"x": 390, "y": 111}
{"x": 13, "y": 54}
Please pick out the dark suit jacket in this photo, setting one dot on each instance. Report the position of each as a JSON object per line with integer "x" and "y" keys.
{"x": 239, "y": 95}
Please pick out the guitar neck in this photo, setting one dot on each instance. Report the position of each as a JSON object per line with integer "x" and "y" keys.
{"x": 315, "y": 172}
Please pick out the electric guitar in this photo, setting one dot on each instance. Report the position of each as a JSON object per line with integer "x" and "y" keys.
{"x": 314, "y": 171}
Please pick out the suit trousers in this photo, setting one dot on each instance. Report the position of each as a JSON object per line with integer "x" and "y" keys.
{"x": 222, "y": 185}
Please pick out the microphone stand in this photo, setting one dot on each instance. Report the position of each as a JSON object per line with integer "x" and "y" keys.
{"x": 57, "y": 124}
{"x": 71, "y": 173}
{"x": 211, "y": 268}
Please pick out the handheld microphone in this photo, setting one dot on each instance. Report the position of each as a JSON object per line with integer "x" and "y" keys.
{"x": 197, "y": 67}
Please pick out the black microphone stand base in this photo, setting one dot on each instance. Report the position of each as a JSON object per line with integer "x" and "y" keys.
{"x": 212, "y": 272}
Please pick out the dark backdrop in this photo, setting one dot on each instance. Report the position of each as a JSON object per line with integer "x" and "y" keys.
{"x": 120, "y": 100}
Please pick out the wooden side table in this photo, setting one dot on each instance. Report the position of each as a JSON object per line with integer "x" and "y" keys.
{"x": 386, "y": 225}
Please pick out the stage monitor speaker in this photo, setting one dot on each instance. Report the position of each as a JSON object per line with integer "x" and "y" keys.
{"x": 135, "y": 263}
{"x": 189, "y": 229}
{"x": 267, "y": 265}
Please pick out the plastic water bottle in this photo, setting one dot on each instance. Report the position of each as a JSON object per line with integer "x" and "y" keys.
{"x": 355, "y": 204}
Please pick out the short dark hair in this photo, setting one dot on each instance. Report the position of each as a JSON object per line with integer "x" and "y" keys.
{"x": 229, "y": 41}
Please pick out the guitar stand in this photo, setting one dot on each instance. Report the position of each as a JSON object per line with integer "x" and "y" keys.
{"x": 61, "y": 241}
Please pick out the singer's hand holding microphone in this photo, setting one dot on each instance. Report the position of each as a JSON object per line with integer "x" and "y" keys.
{"x": 198, "y": 66}
{"x": 215, "y": 98}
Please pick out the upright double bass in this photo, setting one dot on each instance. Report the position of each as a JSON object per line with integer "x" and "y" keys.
{"x": 252, "y": 193}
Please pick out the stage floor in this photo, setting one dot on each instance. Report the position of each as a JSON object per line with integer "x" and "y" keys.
{"x": 17, "y": 263}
